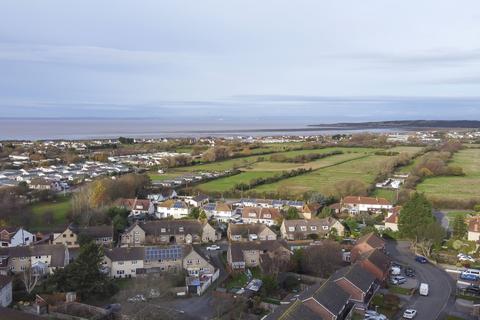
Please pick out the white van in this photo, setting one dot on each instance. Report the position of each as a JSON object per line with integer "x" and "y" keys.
{"x": 423, "y": 289}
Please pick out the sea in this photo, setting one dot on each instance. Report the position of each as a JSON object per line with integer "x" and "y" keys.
{"x": 105, "y": 128}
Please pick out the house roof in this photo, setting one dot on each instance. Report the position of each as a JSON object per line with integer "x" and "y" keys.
{"x": 365, "y": 200}
{"x": 200, "y": 198}
{"x": 173, "y": 203}
{"x": 372, "y": 240}
{"x": 12, "y": 314}
{"x": 167, "y": 227}
{"x": 95, "y": 231}
{"x": 332, "y": 297}
{"x": 245, "y": 229}
{"x": 474, "y": 224}
{"x": 137, "y": 204}
{"x": 377, "y": 258}
{"x": 56, "y": 251}
{"x": 261, "y": 213}
{"x": 4, "y": 280}
{"x": 164, "y": 252}
{"x": 125, "y": 253}
{"x": 309, "y": 223}
{"x": 237, "y": 248}
{"x": 298, "y": 310}
{"x": 393, "y": 217}
{"x": 356, "y": 275}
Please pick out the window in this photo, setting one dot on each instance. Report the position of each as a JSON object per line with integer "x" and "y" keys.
{"x": 120, "y": 272}
{"x": 291, "y": 229}
{"x": 64, "y": 235}
{"x": 180, "y": 229}
{"x": 325, "y": 227}
{"x": 303, "y": 228}
{"x": 163, "y": 230}
{"x": 313, "y": 228}
{"x": 134, "y": 261}
{"x": 71, "y": 235}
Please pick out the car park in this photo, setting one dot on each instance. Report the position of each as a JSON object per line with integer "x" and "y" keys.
{"x": 410, "y": 313}
{"x": 421, "y": 259}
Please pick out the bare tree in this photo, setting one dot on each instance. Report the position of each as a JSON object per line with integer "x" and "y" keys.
{"x": 30, "y": 279}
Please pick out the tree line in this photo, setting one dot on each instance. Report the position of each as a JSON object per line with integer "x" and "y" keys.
{"x": 303, "y": 158}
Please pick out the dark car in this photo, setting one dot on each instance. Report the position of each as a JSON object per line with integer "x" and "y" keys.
{"x": 475, "y": 289}
{"x": 409, "y": 272}
{"x": 421, "y": 259}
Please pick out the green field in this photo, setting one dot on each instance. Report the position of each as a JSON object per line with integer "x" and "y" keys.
{"x": 462, "y": 188}
{"x": 362, "y": 167}
{"x": 390, "y": 195}
{"x": 59, "y": 209}
{"x": 224, "y": 184}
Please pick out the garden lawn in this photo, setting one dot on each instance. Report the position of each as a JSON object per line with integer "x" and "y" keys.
{"x": 463, "y": 188}
{"x": 59, "y": 208}
{"x": 390, "y": 195}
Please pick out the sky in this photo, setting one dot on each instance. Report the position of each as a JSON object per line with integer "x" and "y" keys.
{"x": 324, "y": 61}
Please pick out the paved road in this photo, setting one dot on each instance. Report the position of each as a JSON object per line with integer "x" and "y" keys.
{"x": 441, "y": 286}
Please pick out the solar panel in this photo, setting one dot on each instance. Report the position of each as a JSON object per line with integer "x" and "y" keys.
{"x": 165, "y": 253}
{"x": 178, "y": 205}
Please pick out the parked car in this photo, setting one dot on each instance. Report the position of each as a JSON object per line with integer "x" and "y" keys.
{"x": 410, "y": 313}
{"x": 409, "y": 272}
{"x": 398, "y": 280}
{"x": 213, "y": 247}
{"x": 421, "y": 259}
{"x": 373, "y": 315}
{"x": 463, "y": 257}
{"x": 475, "y": 289}
{"x": 137, "y": 298}
{"x": 470, "y": 274}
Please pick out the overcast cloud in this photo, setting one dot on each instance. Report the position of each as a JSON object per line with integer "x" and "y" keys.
{"x": 370, "y": 59}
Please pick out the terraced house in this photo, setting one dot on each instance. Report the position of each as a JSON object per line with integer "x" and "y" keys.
{"x": 168, "y": 232}
{"x": 102, "y": 235}
{"x": 42, "y": 258}
{"x": 268, "y": 216}
{"x": 242, "y": 255}
{"x": 250, "y": 232}
{"x": 301, "y": 229}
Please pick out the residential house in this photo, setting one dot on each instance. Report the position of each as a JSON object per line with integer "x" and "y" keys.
{"x": 355, "y": 205}
{"x": 168, "y": 232}
{"x": 219, "y": 211}
{"x": 301, "y": 229}
{"x": 5, "y": 291}
{"x": 250, "y": 232}
{"x": 139, "y": 208}
{"x": 163, "y": 195}
{"x": 377, "y": 263}
{"x": 42, "y": 258}
{"x": 172, "y": 208}
{"x": 195, "y": 263}
{"x": 474, "y": 229}
{"x": 102, "y": 235}
{"x": 198, "y": 200}
{"x": 326, "y": 301}
{"x": 15, "y": 236}
{"x": 365, "y": 244}
{"x": 242, "y": 255}
{"x": 358, "y": 283}
{"x": 163, "y": 258}
{"x": 268, "y": 216}
{"x": 391, "y": 222}
{"x": 310, "y": 210}
{"x": 124, "y": 262}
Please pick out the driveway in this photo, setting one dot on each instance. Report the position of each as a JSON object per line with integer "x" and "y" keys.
{"x": 441, "y": 285}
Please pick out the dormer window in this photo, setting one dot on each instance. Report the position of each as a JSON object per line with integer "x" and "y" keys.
{"x": 325, "y": 227}
{"x": 303, "y": 228}
{"x": 291, "y": 229}
{"x": 313, "y": 228}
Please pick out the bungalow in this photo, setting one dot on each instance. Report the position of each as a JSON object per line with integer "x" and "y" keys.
{"x": 366, "y": 244}
{"x": 172, "y": 208}
{"x": 168, "y": 232}
{"x": 139, "y": 208}
{"x": 301, "y": 229}
{"x": 355, "y": 205}
{"x": 268, "y": 216}
{"x": 102, "y": 235}
{"x": 391, "y": 222}
{"x": 15, "y": 236}
{"x": 242, "y": 255}
{"x": 219, "y": 211}
{"x": 250, "y": 232}
{"x": 164, "y": 195}
{"x": 358, "y": 283}
{"x": 474, "y": 229}
{"x": 5, "y": 291}
{"x": 123, "y": 262}
{"x": 43, "y": 258}
{"x": 198, "y": 200}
